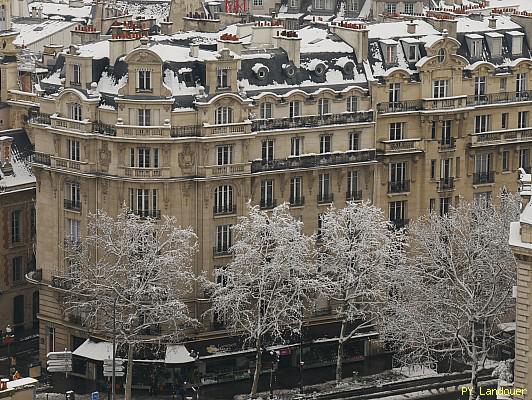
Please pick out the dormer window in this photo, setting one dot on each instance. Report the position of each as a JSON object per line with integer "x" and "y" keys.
{"x": 391, "y": 8}
{"x": 474, "y": 42}
{"x": 411, "y": 49}
{"x": 144, "y": 80}
{"x": 494, "y": 40}
{"x": 440, "y": 88}
{"x": 75, "y": 111}
{"x": 144, "y": 117}
{"x": 389, "y": 48}
{"x": 222, "y": 79}
{"x": 322, "y": 4}
{"x": 441, "y": 56}
{"x": 324, "y": 106}
{"x": 223, "y": 115}
{"x": 76, "y": 74}
{"x": 521, "y": 82}
{"x": 516, "y": 42}
{"x": 266, "y": 110}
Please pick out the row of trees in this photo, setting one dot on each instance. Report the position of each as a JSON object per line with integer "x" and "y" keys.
{"x": 440, "y": 290}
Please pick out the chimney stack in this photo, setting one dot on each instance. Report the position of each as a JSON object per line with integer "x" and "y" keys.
{"x": 5, "y": 154}
{"x": 492, "y": 22}
{"x": 411, "y": 27}
{"x": 194, "y": 50}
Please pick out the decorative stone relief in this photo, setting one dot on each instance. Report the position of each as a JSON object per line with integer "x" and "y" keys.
{"x": 186, "y": 159}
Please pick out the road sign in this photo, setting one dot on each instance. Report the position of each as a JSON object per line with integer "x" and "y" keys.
{"x": 67, "y": 368}
{"x": 95, "y": 396}
{"x": 59, "y": 355}
{"x": 108, "y": 367}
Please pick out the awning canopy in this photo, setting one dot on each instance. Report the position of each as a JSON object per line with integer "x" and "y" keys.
{"x": 177, "y": 354}
{"x": 98, "y": 351}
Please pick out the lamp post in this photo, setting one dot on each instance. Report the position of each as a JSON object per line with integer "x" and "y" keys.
{"x": 275, "y": 360}
{"x": 8, "y": 339}
{"x": 195, "y": 356}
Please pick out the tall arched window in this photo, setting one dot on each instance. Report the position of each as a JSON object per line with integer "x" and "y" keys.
{"x": 224, "y": 115}
{"x": 223, "y": 200}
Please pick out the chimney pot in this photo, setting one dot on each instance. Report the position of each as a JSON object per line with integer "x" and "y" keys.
{"x": 5, "y": 150}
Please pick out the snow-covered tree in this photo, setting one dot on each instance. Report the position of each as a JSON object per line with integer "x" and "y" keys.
{"x": 358, "y": 244}
{"x": 270, "y": 282}
{"x": 141, "y": 266}
{"x": 456, "y": 288}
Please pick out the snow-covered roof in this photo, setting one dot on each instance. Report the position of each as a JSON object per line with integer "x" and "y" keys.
{"x": 31, "y": 32}
{"x": 388, "y": 30}
{"x": 96, "y": 50}
{"x": 63, "y": 9}
{"x": 21, "y": 383}
{"x": 21, "y": 175}
{"x": 469, "y": 25}
{"x": 316, "y": 40}
{"x": 92, "y": 350}
{"x": 177, "y": 354}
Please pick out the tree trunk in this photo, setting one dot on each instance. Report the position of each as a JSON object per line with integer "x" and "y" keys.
{"x": 340, "y": 354}
{"x": 258, "y": 366}
{"x": 129, "y": 372}
{"x": 473, "y": 393}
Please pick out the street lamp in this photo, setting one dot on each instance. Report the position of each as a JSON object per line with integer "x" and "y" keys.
{"x": 8, "y": 339}
{"x": 275, "y": 360}
{"x": 195, "y": 356}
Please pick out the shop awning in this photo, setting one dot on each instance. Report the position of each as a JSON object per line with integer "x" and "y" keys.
{"x": 177, "y": 354}
{"x": 98, "y": 351}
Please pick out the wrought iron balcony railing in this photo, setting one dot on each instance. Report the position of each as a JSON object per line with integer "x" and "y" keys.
{"x": 224, "y": 209}
{"x": 325, "y": 198}
{"x": 74, "y": 205}
{"x": 446, "y": 184}
{"x": 297, "y": 200}
{"x": 480, "y": 178}
{"x": 311, "y": 121}
{"x": 399, "y": 186}
{"x": 353, "y": 195}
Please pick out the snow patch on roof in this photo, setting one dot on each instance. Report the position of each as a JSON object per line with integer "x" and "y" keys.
{"x": 177, "y": 87}
{"x": 468, "y": 25}
{"x": 108, "y": 84}
{"x": 96, "y": 50}
{"x": 53, "y": 79}
{"x": 390, "y": 30}
{"x": 30, "y": 33}
{"x": 316, "y": 40}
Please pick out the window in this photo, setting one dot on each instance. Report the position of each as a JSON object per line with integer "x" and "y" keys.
{"x": 444, "y": 205}
{"x": 352, "y": 5}
{"x": 16, "y": 264}
{"x": 391, "y": 53}
{"x": 223, "y": 238}
{"x": 73, "y": 230}
{"x": 144, "y": 117}
{"x": 397, "y": 211}
{"x": 266, "y": 110}
{"x": 325, "y": 143}
{"x": 296, "y": 190}
{"x": 266, "y": 193}
{"x": 51, "y": 339}
{"x": 73, "y": 150}
{"x": 267, "y": 150}
{"x": 391, "y": 8}
{"x": 322, "y": 4}
{"x": 18, "y": 310}
{"x": 222, "y": 78}
{"x": 294, "y": 3}
{"x": 506, "y": 160}
{"x": 432, "y": 169}
{"x": 323, "y": 106}
{"x": 257, "y": 3}
{"x": 224, "y": 154}
{"x": 445, "y": 170}
{"x": 480, "y": 86}
{"x": 144, "y": 80}
{"x": 446, "y": 131}
{"x": 223, "y": 199}
{"x": 75, "y": 111}
{"x": 524, "y": 159}
{"x": 433, "y": 129}
{"x": 439, "y": 88}
{"x": 476, "y": 48}
{"x": 352, "y": 185}
{"x": 441, "y": 56}
{"x": 432, "y": 205}
{"x": 409, "y": 8}
{"x": 352, "y": 104}
{"x": 398, "y": 172}
{"x": 503, "y": 82}
{"x": 76, "y": 74}
{"x": 324, "y": 192}
{"x": 73, "y": 196}
{"x": 521, "y": 84}
{"x": 396, "y": 131}
{"x": 295, "y": 109}
{"x": 522, "y": 119}
{"x": 482, "y": 123}
{"x": 412, "y": 52}
{"x": 295, "y": 146}
{"x": 482, "y": 199}
{"x": 354, "y": 141}
{"x": 394, "y": 92}
{"x": 504, "y": 120}
{"x": 16, "y": 226}
{"x": 143, "y": 157}
{"x": 457, "y": 168}
{"x": 223, "y": 115}
{"x": 144, "y": 202}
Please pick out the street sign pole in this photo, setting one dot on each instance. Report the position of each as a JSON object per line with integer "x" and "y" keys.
{"x": 114, "y": 349}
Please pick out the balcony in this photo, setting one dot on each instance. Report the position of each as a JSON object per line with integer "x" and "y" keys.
{"x": 399, "y": 187}
{"x": 23, "y": 98}
{"x": 65, "y": 163}
{"x": 104, "y": 129}
{"x": 399, "y": 223}
{"x": 138, "y": 172}
{"x": 71, "y": 124}
{"x": 153, "y": 214}
{"x": 41, "y": 158}
{"x": 268, "y": 204}
{"x": 297, "y": 201}
{"x": 325, "y": 198}
{"x": 499, "y": 98}
{"x": 399, "y": 106}
{"x": 500, "y": 137}
{"x": 39, "y": 118}
{"x": 221, "y": 250}
{"x": 185, "y": 131}
{"x": 311, "y": 121}
{"x": 135, "y": 130}
{"x": 226, "y": 170}
{"x": 481, "y": 178}
{"x": 227, "y": 129}
{"x": 314, "y": 160}
{"x": 445, "y": 184}
{"x": 224, "y": 209}
{"x": 446, "y": 145}
{"x": 73, "y": 205}
{"x": 444, "y": 103}
{"x": 402, "y": 146}
{"x": 61, "y": 282}
{"x": 354, "y": 195}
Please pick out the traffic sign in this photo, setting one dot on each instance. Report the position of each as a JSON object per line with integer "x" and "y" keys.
{"x": 108, "y": 367}
{"x": 95, "y": 396}
{"x": 59, "y": 355}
